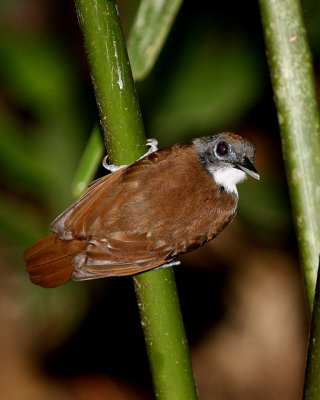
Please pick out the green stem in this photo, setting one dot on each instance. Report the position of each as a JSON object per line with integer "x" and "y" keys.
{"x": 312, "y": 380}
{"x": 89, "y": 163}
{"x": 112, "y": 80}
{"x": 123, "y": 129}
{"x": 292, "y": 79}
{"x": 165, "y": 339}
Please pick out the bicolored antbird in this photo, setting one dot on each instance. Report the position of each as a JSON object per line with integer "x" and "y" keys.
{"x": 144, "y": 215}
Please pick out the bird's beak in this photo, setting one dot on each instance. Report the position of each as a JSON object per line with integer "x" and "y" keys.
{"x": 247, "y": 167}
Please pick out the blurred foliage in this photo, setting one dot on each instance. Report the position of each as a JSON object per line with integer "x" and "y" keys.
{"x": 265, "y": 210}
{"x": 42, "y": 132}
{"x": 151, "y": 26}
{"x": 207, "y": 91}
{"x": 41, "y": 124}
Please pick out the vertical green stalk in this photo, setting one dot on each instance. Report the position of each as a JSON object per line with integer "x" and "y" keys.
{"x": 116, "y": 97}
{"x": 312, "y": 380}
{"x": 293, "y": 85}
{"x": 166, "y": 342}
{"x": 123, "y": 130}
{"x": 89, "y": 163}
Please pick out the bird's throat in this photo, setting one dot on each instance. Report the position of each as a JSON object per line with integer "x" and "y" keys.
{"x": 228, "y": 178}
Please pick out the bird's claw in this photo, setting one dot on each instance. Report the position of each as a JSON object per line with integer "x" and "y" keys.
{"x": 152, "y": 143}
{"x": 110, "y": 167}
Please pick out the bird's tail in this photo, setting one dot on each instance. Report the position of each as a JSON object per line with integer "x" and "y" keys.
{"x": 49, "y": 260}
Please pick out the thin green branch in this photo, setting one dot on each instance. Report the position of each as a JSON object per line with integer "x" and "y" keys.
{"x": 112, "y": 80}
{"x": 292, "y": 79}
{"x": 89, "y": 163}
{"x": 312, "y": 379}
{"x": 149, "y": 32}
{"x": 164, "y": 335}
{"x": 123, "y": 129}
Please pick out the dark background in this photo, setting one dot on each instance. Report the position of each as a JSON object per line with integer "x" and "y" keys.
{"x": 241, "y": 295}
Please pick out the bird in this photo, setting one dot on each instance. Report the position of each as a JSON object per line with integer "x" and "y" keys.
{"x": 143, "y": 215}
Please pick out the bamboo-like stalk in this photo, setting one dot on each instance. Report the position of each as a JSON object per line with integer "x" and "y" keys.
{"x": 312, "y": 379}
{"x": 124, "y": 135}
{"x": 293, "y": 85}
{"x": 147, "y": 37}
{"x": 292, "y": 78}
{"x": 119, "y": 110}
{"x": 89, "y": 163}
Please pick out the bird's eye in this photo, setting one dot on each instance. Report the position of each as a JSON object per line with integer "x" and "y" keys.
{"x": 222, "y": 148}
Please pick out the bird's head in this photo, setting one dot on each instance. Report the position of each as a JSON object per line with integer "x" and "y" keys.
{"x": 228, "y": 158}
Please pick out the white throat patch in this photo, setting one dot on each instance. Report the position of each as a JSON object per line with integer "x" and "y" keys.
{"x": 228, "y": 178}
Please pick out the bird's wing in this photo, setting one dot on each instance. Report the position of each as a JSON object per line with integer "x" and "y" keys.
{"x": 120, "y": 215}
{"x": 115, "y": 200}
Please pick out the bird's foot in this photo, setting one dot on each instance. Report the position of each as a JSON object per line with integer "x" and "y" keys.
{"x": 152, "y": 143}
{"x": 111, "y": 167}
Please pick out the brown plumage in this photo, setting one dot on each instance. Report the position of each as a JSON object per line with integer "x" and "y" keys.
{"x": 134, "y": 219}
{"x": 49, "y": 260}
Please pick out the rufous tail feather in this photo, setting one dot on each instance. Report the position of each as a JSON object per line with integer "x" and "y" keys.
{"x": 49, "y": 260}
